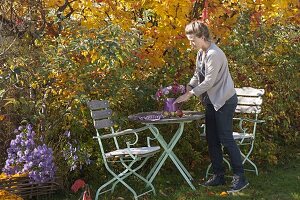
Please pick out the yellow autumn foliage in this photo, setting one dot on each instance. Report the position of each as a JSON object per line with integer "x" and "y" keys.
{"x": 4, "y": 176}
{"x": 166, "y": 19}
{"x": 5, "y": 195}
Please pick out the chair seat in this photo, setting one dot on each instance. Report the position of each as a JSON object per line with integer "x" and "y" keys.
{"x": 236, "y": 135}
{"x": 240, "y": 136}
{"x": 140, "y": 151}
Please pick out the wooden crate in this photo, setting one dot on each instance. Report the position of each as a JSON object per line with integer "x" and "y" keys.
{"x": 23, "y": 187}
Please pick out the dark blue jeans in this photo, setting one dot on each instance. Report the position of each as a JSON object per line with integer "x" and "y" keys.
{"x": 219, "y": 132}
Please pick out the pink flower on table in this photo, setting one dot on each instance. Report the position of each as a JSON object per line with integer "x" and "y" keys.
{"x": 172, "y": 91}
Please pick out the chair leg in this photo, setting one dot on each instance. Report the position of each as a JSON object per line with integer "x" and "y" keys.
{"x": 228, "y": 163}
{"x": 207, "y": 171}
{"x": 116, "y": 178}
{"x": 133, "y": 171}
{"x": 111, "y": 181}
{"x": 148, "y": 183}
{"x": 246, "y": 158}
{"x": 210, "y": 165}
{"x": 104, "y": 186}
{"x": 120, "y": 179}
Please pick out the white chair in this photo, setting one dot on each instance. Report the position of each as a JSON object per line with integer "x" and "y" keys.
{"x": 247, "y": 110}
{"x": 130, "y": 158}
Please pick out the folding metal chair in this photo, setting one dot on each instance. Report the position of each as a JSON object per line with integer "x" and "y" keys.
{"x": 130, "y": 158}
{"x": 248, "y": 109}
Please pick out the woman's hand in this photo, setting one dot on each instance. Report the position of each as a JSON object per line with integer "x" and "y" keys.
{"x": 184, "y": 97}
{"x": 188, "y": 88}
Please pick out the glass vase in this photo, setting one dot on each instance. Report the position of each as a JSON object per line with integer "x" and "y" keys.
{"x": 169, "y": 105}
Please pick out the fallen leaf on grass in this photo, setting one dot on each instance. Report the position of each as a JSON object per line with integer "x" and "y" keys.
{"x": 223, "y": 194}
{"x": 209, "y": 193}
{"x": 162, "y": 193}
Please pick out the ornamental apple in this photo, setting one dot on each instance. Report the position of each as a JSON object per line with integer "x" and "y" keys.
{"x": 179, "y": 113}
{"x": 166, "y": 114}
{"x": 173, "y": 114}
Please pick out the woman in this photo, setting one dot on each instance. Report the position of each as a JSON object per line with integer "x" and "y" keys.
{"x": 213, "y": 83}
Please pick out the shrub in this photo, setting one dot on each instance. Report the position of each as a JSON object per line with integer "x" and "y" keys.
{"x": 25, "y": 157}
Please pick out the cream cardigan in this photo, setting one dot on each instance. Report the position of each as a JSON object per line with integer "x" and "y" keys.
{"x": 218, "y": 82}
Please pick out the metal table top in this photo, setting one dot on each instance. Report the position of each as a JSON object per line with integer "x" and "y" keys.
{"x": 158, "y": 118}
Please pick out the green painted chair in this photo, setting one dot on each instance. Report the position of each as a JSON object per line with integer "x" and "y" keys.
{"x": 246, "y": 116}
{"x": 130, "y": 158}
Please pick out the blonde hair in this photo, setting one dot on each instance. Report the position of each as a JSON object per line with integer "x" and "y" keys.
{"x": 198, "y": 29}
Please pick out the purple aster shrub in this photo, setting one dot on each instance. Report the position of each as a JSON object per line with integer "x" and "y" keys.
{"x": 19, "y": 151}
{"x": 75, "y": 155}
{"x": 42, "y": 167}
{"x": 24, "y": 156}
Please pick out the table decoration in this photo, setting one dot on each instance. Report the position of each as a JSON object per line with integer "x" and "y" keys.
{"x": 168, "y": 95}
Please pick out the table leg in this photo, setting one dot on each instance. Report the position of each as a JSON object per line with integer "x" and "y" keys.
{"x": 168, "y": 149}
{"x": 169, "y": 153}
{"x": 162, "y": 158}
{"x": 173, "y": 142}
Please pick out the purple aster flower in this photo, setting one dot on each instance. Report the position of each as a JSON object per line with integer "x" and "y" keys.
{"x": 19, "y": 153}
{"x": 42, "y": 138}
{"x": 73, "y": 167}
{"x": 12, "y": 143}
{"x": 29, "y": 127}
{"x": 67, "y": 133}
{"x": 20, "y": 128}
{"x": 17, "y": 140}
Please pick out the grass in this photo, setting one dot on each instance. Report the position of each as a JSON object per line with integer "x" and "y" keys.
{"x": 280, "y": 182}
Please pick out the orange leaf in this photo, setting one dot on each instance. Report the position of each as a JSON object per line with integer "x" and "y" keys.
{"x": 224, "y": 194}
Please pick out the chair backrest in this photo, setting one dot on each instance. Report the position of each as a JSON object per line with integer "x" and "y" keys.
{"x": 248, "y": 108}
{"x": 100, "y": 113}
{"x": 249, "y": 100}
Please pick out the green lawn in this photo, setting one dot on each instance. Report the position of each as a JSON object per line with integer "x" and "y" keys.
{"x": 281, "y": 182}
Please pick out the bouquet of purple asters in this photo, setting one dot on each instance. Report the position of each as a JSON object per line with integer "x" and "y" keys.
{"x": 172, "y": 91}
